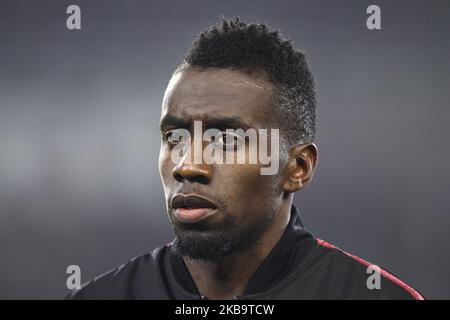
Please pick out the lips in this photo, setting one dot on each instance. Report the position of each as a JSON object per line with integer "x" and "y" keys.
{"x": 192, "y": 208}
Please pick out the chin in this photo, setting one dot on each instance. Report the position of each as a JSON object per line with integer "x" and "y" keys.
{"x": 209, "y": 246}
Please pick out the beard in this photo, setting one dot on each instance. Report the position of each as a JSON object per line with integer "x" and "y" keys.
{"x": 215, "y": 245}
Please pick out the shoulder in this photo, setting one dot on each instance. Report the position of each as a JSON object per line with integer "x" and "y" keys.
{"x": 138, "y": 278}
{"x": 356, "y": 278}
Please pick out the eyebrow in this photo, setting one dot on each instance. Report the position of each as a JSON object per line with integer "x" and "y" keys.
{"x": 222, "y": 123}
{"x": 172, "y": 121}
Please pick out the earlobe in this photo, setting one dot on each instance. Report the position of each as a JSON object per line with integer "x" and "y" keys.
{"x": 300, "y": 167}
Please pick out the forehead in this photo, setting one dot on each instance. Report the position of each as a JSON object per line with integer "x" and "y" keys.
{"x": 196, "y": 94}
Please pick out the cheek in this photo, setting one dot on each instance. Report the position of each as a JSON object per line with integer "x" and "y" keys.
{"x": 245, "y": 187}
{"x": 165, "y": 167}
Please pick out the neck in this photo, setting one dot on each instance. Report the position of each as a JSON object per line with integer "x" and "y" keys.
{"x": 228, "y": 278}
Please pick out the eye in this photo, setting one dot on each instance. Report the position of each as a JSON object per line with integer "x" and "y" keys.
{"x": 175, "y": 136}
{"x": 227, "y": 140}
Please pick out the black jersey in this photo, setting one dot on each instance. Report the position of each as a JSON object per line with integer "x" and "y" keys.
{"x": 300, "y": 266}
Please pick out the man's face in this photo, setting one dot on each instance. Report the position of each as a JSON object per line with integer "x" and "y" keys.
{"x": 217, "y": 209}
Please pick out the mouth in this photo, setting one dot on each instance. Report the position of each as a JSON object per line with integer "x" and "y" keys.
{"x": 192, "y": 208}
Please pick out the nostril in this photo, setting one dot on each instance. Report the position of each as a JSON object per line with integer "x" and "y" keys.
{"x": 202, "y": 179}
{"x": 191, "y": 175}
{"x": 178, "y": 177}
{"x": 193, "y": 178}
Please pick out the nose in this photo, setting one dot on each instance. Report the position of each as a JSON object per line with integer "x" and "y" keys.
{"x": 192, "y": 172}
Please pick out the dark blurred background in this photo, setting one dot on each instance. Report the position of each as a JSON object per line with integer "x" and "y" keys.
{"x": 79, "y": 137}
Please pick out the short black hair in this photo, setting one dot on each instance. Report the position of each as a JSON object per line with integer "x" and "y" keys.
{"x": 253, "y": 47}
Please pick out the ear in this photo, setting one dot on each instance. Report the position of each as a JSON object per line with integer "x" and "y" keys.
{"x": 300, "y": 167}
